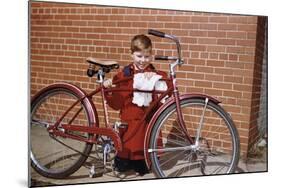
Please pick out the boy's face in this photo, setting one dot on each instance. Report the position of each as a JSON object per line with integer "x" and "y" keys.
{"x": 142, "y": 58}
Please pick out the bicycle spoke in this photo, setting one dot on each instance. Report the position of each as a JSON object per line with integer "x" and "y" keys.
{"x": 213, "y": 135}
{"x": 182, "y": 138}
{"x": 181, "y": 169}
{"x": 172, "y": 141}
{"x": 172, "y": 158}
{"x": 63, "y": 155}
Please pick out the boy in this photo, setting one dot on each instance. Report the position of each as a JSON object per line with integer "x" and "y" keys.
{"x": 132, "y": 156}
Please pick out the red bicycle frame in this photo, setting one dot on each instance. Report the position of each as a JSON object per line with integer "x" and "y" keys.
{"x": 94, "y": 129}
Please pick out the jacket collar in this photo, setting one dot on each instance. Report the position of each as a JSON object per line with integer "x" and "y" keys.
{"x": 148, "y": 68}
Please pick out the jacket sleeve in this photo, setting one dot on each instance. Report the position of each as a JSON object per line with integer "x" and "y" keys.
{"x": 116, "y": 99}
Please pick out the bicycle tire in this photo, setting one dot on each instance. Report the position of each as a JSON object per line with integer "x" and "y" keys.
{"x": 199, "y": 167}
{"x": 87, "y": 147}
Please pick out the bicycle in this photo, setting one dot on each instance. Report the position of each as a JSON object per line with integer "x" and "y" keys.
{"x": 190, "y": 134}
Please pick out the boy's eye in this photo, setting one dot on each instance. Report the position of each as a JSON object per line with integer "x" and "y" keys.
{"x": 145, "y": 57}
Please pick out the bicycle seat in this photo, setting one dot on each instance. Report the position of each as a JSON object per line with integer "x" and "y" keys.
{"x": 103, "y": 63}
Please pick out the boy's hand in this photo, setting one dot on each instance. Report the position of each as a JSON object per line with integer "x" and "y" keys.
{"x": 149, "y": 75}
{"x": 107, "y": 83}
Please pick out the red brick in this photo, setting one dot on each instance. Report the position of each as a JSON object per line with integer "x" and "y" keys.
{"x": 246, "y": 58}
{"x": 225, "y": 71}
{"x": 164, "y": 18}
{"x": 203, "y": 84}
{"x": 238, "y": 19}
{"x": 251, "y": 35}
{"x": 190, "y": 25}
{"x": 227, "y": 27}
{"x": 213, "y": 77}
{"x": 208, "y": 26}
{"x": 188, "y": 40}
{"x": 197, "y": 48}
{"x": 233, "y": 79}
{"x": 215, "y": 48}
{"x": 207, "y": 41}
{"x": 199, "y": 19}
{"x": 242, "y": 87}
{"x": 236, "y": 50}
{"x": 221, "y": 85}
{"x": 218, "y": 19}
{"x": 181, "y": 19}
{"x": 172, "y": 25}
{"x": 204, "y": 69}
{"x": 237, "y": 35}
{"x": 223, "y": 56}
{"x": 197, "y": 76}
{"x": 226, "y": 41}
{"x": 196, "y": 62}
{"x": 198, "y": 33}
{"x": 232, "y": 109}
{"x": 250, "y": 43}
{"x": 233, "y": 57}
{"x": 247, "y": 27}
{"x": 213, "y": 63}
{"x": 213, "y": 92}
{"x": 194, "y": 55}
{"x": 233, "y": 94}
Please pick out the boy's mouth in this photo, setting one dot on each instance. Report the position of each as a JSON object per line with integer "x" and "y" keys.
{"x": 141, "y": 65}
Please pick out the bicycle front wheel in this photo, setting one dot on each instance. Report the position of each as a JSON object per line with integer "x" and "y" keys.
{"x": 56, "y": 156}
{"x": 217, "y": 152}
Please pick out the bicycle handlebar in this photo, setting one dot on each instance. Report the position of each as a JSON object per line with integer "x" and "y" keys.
{"x": 172, "y": 37}
{"x": 160, "y": 57}
{"x": 156, "y": 33}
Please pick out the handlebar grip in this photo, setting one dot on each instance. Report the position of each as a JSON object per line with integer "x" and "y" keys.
{"x": 161, "y": 57}
{"x": 156, "y": 33}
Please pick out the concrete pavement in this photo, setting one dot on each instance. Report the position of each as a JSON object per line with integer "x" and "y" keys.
{"x": 255, "y": 164}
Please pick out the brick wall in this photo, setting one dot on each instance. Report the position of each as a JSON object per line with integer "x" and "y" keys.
{"x": 220, "y": 49}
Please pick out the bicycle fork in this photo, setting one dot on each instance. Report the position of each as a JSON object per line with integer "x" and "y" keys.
{"x": 198, "y": 133}
{"x": 194, "y": 145}
{"x": 93, "y": 170}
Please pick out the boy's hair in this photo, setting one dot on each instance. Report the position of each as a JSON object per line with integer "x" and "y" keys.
{"x": 140, "y": 42}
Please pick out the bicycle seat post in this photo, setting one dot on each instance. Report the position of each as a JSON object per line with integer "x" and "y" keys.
{"x": 100, "y": 80}
{"x": 100, "y": 76}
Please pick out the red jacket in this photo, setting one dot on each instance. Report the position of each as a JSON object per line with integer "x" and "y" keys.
{"x": 123, "y": 100}
{"x": 133, "y": 137}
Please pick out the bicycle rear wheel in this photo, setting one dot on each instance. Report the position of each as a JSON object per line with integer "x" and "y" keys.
{"x": 171, "y": 153}
{"x": 51, "y": 156}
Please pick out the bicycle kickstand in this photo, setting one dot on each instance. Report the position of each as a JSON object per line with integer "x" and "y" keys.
{"x": 93, "y": 171}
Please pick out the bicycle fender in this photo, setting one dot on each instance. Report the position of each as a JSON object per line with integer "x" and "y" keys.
{"x": 81, "y": 94}
{"x": 167, "y": 104}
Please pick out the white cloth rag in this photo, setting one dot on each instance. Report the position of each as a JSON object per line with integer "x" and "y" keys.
{"x": 142, "y": 83}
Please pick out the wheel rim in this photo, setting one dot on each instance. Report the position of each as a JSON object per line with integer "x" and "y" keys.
{"x": 216, "y": 154}
{"x": 47, "y": 154}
